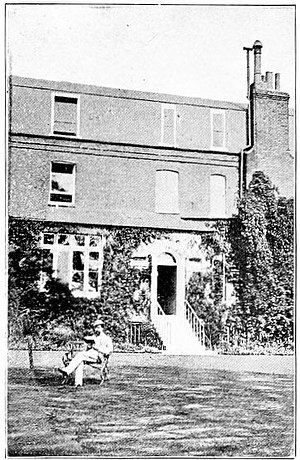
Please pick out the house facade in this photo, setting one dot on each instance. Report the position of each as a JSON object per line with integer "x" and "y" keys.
{"x": 84, "y": 160}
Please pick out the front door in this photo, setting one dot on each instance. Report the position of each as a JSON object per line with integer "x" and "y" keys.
{"x": 166, "y": 284}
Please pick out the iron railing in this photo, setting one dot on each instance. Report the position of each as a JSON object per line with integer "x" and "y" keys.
{"x": 163, "y": 325}
{"x": 195, "y": 322}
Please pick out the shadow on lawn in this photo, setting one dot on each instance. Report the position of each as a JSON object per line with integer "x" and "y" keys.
{"x": 43, "y": 377}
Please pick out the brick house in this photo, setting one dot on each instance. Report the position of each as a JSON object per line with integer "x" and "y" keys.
{"x": 85, "y": 159}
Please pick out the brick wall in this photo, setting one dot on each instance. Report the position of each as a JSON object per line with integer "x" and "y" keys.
{"x": 111, "y": 115}
{"x": 271, "y": 152}
{"x": 115, "y": 185}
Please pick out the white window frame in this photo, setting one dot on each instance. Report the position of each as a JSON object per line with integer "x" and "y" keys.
{"x": 59, "y": 203}
{"x": 56, "y": 248}
{"x": 158, "y": 208}
{"x": 223, "y": 113}
{"x": 71, "y": 96}
{"x": 163, "y": 108}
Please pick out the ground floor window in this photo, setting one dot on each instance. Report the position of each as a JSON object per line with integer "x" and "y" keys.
{"x": 76, "y": 261}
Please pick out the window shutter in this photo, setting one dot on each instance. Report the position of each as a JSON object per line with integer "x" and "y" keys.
{"x": 168, "y": 126}
{"x": 166, "y": 192}
{"x": 218, "y": 130}
{"x": 65, "y": 115}
{"x": 217, "y": 196}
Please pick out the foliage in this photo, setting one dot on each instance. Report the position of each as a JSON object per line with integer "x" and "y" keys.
{"x": 255, "y": 348}
{"x": 33, "y": 313}
{"x": 53, "y": 314}
{"x": 24, "y": 267}
{"x": 261, "y": 237}
{"x": 204, "y": 294}
{"x": 204, "y": 291}
{"x": 120, "y": 279}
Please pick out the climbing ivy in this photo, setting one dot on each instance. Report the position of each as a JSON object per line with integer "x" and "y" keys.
{"x": 35, "y": 314}
{"x": 204, "y": 290}
{"x": 261, "y": 237}
{"x": 120, "y": 279}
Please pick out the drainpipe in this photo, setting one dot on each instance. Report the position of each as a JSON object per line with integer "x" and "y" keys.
{"x": 223, "y": 279}
{"x": 257, "y": 80}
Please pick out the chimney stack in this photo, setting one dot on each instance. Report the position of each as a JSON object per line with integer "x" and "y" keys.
{"x": 277, "y": 81}
{"x": 269, "y": 80}
{"x": 257, "y": 62}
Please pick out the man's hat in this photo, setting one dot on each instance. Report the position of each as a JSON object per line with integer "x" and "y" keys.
{"x": 98, "y": 322}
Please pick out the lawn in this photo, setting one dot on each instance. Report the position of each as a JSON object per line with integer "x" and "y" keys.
{"x": 152, "y": 411}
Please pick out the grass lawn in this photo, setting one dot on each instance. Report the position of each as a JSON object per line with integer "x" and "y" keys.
{"x": 152, "y": 411}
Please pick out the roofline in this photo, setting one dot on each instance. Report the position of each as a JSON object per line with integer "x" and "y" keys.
{"x": 122, "y": 93}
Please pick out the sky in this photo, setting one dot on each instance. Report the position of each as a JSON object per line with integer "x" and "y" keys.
{"x": 194, "y": 50}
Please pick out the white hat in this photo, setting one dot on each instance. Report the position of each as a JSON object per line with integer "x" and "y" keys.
{"x": 98, "y": 322}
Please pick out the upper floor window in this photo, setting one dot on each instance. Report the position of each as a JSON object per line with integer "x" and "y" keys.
{"x": 168, "y": 125}
{"x": 218, "y": 139}
{"x": 166, "y": 192}
{"x": 217, "y": 196}
{"x": 65, "y": 115}
{"x": 62, "y": 183}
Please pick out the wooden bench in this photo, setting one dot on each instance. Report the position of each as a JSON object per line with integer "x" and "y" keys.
{"x": 101, "y": 364}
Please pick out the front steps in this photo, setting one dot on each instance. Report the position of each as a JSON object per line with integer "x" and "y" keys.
{"x": 180, "y": 337}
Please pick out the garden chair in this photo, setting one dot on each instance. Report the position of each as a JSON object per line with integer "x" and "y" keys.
{"x": 101, "y": 365}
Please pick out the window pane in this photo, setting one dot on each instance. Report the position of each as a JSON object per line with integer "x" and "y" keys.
{"x": 93, "y": 281}
{"x": 218, "y": 129}
{"x": 166, "y": 192}
{"x": 169, "y": 117}
{"x": 78, "y": 260}
{"x": 77, "y": 281}
{"x": 218, "y": 139}
{"x": 63, "y": 272}
{"x": 79, "y": 240}
{"x": 93, "y": 260}
{"x": 95, "y": 241}
{"x": 65, "y": 168}
{"x": 48, "y": 238}
{"x": 63, "y": 239}
{"x": 57, "y": 197}
{"x": 62, "y": 183}
{"x": 218, "y": 119}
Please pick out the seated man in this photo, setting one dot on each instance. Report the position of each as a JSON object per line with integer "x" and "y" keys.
{"x": 97, "y": 345}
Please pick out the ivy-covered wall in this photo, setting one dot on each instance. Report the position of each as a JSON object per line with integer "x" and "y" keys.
{"x": 125, "y": 289}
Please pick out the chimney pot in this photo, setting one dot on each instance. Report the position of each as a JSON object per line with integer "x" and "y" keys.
{"x": 257, "y": 61}
{"x": 269, "y": 80}
{"x": 257, "y": 46}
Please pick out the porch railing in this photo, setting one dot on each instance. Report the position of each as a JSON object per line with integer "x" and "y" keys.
{"x": 134, "y": 333}
{"x": 195, "y": 322}
{"x": 163, "y": 325}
